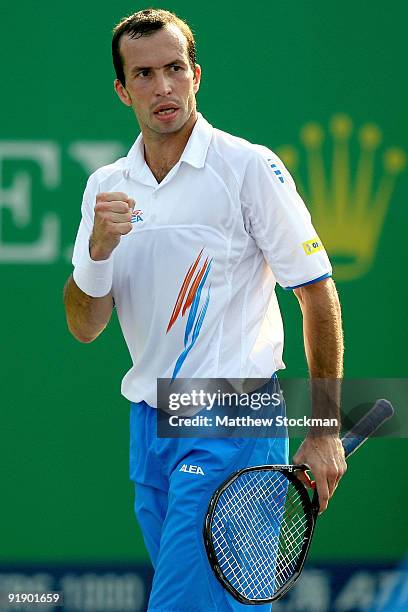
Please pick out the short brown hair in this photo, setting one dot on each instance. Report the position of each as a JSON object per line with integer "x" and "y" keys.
{"x": 145, "y": 23}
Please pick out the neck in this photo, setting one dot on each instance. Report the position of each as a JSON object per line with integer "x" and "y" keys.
{"x": 163, "y": 151}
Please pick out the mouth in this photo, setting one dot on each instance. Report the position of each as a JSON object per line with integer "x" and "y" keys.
{"x": 166, "y": 113}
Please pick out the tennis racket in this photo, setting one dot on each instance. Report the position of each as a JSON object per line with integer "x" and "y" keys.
{"x": 260, "y": 522}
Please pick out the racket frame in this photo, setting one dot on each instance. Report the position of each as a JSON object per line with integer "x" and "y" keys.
{"x": 353, "y": 439}
{"x": 311, "y": 510}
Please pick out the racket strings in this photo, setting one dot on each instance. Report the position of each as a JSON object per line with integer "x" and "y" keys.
{"x": 258, "y": 532}
{"x": 251, "y": 544}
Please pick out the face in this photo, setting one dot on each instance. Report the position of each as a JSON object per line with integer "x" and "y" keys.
{"x": 160, "y": 82}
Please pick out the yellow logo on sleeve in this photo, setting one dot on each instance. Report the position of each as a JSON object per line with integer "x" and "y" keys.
{"x": 312, "y": 246}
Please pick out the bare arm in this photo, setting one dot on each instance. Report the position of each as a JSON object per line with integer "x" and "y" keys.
{"x": 322, "y": 328}
{"x": 323, "y": 338}
{"x": 86, "y": 316}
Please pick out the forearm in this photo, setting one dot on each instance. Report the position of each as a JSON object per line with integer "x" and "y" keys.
{"x": 323, "y": 339}
{"x": 322, "y": 329}
{"x": 86, "y": 316}
{"x": 323, "y": 336}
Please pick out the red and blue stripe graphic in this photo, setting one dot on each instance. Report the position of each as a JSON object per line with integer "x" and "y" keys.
{"x": 189, "y": 298}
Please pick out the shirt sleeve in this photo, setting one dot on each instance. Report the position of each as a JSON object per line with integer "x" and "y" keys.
{"x": 81, "y": 246}
{"x": 277, "y": 219}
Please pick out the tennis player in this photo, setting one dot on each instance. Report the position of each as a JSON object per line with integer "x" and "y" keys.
{"x": 186, "y": 237}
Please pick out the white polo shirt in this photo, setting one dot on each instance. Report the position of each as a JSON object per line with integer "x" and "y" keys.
{"x": 194, "y": 281}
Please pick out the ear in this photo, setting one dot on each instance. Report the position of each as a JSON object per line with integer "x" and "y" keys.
{"x": 197, "y": 78}
{"x": 122, "y": 93}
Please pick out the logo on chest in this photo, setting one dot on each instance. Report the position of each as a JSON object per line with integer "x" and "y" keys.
{"x": 137, "y": 216}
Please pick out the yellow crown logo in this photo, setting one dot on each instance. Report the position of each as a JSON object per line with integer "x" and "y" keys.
{"x": 348, "y": 210}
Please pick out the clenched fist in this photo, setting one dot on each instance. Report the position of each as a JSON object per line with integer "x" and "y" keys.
{"x": 113, "y": 212}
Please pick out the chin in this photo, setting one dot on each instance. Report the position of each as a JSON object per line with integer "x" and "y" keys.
{"x": 175, "y": 126}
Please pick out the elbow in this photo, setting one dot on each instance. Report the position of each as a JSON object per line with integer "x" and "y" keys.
{"x": 79, "y": 334}
{"x": 84, "y": 339}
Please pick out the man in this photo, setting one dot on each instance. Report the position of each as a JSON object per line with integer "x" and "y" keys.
{"x": 185, "y": 237}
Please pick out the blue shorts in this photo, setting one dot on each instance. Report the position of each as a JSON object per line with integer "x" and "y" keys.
{"x": 171, "y": 502}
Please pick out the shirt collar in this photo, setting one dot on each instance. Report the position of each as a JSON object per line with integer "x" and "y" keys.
{"x": 195, "y": 151}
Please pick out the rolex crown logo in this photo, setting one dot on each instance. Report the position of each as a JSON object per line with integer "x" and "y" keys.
{"x": 348, "y": 204}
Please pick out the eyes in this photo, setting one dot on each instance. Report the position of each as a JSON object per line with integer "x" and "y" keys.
{"x": 144, "y": 74}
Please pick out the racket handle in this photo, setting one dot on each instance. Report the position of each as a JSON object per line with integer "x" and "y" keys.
{"x": 366, "y": 426}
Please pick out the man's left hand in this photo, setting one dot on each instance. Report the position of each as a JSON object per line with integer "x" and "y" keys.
{"x": 325, "y": 457}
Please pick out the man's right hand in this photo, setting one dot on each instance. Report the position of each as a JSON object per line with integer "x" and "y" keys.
{"x": 113, "y": 212}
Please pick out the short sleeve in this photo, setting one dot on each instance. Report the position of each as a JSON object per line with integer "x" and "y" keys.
{"x": 277, "y": 219}
{"x": 81, "y": 246}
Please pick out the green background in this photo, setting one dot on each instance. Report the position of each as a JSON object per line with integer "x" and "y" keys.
{"x": 268, "y": 68}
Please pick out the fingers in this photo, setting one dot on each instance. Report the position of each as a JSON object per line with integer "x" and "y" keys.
{"x": 115, "y": 200}
{"x": 323, "y": 492}
{"x": 112, "y": 222}
{"x": 325, "y": 458}
{"x": 113, "y": 196}
{"x": 341, "y": 469}
{"x": 325, "y": 485}
{"x": 119, "y": 217}
{"x": 327, "y": 480}
{"x": 305, "y": 478}
{"x": 118, "y": 206}
{"x": 113, "y": 213}
{"x": 322, "y": 486}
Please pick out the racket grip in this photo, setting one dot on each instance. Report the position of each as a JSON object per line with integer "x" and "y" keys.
{"x": 367, "y": 425}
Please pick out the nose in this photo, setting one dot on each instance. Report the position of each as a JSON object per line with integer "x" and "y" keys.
{"x": 163, "y": 85}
